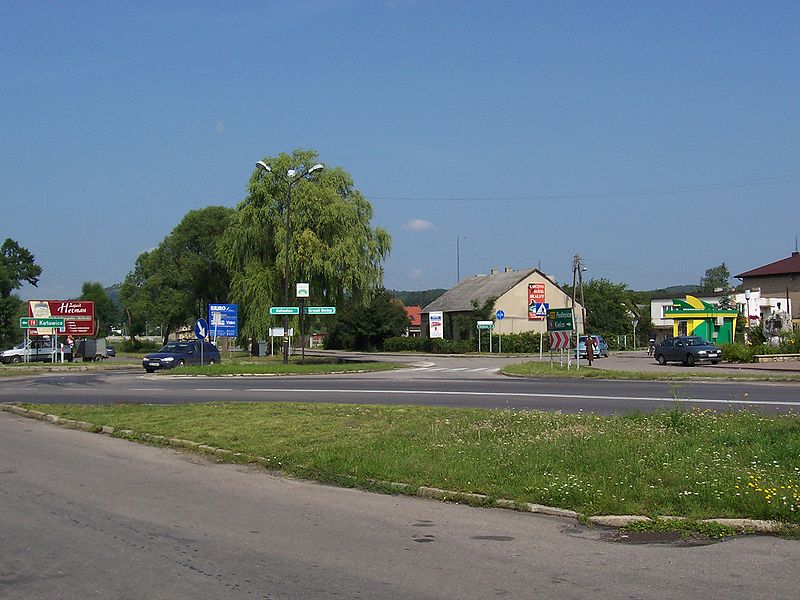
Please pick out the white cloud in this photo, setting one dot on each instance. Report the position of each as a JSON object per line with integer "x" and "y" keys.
{"x": 417, "y": 224}
{"x": 219, "y": 127}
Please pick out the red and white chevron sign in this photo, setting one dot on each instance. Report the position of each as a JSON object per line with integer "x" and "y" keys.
{"x": 559, "y": 340}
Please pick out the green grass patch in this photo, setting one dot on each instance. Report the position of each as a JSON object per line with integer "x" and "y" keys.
{"x": 695, "y": 464}
{"x": 711, "y": 530}
{"x": 544, "y": 369}
{"x": 244, "y": 367}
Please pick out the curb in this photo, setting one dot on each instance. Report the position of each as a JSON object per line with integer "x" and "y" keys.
{"x": 613, "y": 521}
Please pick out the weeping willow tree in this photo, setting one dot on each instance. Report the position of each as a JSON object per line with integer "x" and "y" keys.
{"x": 332, "y": 244}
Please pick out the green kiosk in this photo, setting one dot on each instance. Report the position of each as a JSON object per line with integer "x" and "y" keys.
{"x": 695, "y": 317}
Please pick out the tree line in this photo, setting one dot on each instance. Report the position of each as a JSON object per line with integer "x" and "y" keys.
{"x": 238, "y": 255}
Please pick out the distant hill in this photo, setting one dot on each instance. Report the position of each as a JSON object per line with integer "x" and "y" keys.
{"x": 673, "y": 291}
{"x": 113, "y": 293}
{"x": 421, "y": 298}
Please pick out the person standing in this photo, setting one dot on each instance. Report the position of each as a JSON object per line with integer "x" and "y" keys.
{"x": 589, "y": 349}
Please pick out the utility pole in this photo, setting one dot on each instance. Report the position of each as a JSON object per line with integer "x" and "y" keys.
{"x": 458, "y": 258}
{"x": 577, "y": 280}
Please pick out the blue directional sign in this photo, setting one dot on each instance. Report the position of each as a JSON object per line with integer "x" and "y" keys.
{"x": 224, "y": 319}
{"x": 201, "y": 329}
{"x": 500, "y": 315}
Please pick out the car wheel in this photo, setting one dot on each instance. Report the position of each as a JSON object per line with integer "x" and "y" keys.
{"x": 150, "y": 370}
{"x": 211, "y": 362}
{"x": 661, "y": 360}
{"x": 15, "y": 359}
{"x": 181, "y": 363}
{"x": 714, "y": 362}
{"x": 98, "y": 358}
{"x": 689, "y": 362}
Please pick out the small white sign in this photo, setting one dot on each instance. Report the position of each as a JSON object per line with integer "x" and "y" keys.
{"x": 278, "y": 331}
{"x": 302, "y": 290}
{"x": 436, "y": 324}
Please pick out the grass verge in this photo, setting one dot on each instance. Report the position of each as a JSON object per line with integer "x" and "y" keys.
{"x": 537, "y": 369}
{"x": 278, "y": 368}
{"x": 694, "y": 464}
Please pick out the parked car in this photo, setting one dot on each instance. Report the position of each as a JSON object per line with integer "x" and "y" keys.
{"x": 687, "y": 349}
{"x": 178, "y": 354}
{"x": 36, "y": 350}
{"x": 110, "y": 352}
{"x": 600, "y": 346}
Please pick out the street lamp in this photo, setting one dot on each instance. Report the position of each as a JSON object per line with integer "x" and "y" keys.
{"x": 291, "y": 178}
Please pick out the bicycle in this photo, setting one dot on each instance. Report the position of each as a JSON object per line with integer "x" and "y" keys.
{"x": 651, "y": 347}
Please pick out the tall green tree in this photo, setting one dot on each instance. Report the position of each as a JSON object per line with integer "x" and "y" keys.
{"x": 173, "y": 284}
{"x": 17, "y": 266}
{"x": 332, "y": 244}
{"x": 105, "y": 311}
{"x": 607, "y": 307}
{"x": 715, "y": 278}
{"x": 366, "y": 328}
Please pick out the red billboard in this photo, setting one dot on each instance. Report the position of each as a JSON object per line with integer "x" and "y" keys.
{"x": 78, "y": 316}
{"x": 535, "y": 298}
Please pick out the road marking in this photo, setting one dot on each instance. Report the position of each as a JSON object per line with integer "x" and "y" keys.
{"x": 434, "y": 369}
{"x": 529, "y": 395}
{"x": 213, "y": 389}
{"x": 146, "y": 389}
{"x": 481, "y": 369}
{"x": 460, "y": 369}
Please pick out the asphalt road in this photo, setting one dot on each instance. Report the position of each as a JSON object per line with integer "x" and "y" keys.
{"x": 89, "y": 516}
{"x": 461, "y": 383}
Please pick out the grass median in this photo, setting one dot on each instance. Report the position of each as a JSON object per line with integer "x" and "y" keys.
{"x": 278, "y": 368}
{"x": 544, "y": 369}
{"x": 695, "y": 464}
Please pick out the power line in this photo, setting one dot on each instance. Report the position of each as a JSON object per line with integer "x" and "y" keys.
{"x": 727, "y": 185}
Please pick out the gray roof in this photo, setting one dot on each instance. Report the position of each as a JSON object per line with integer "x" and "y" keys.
{"x": 479, "y": 288}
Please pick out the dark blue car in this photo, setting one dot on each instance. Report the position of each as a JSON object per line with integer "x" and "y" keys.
{"x": 178, "y": 354}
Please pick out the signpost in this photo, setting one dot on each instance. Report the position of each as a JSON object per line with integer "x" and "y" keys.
{"x": 560, "y": 325}
{"x": 320, "y": 310}
{"x": 499, "y": 315}
{"x": 284, "y": 310}
{"x": 44, "y": 322}
{"x": 560, "y": 319}
{"x": 485, "y": 325}
{"x": 201, "y": 329}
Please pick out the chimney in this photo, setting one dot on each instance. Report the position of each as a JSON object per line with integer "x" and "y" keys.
{"x": 508, "y": 270}
{"x": 493, "y": 272}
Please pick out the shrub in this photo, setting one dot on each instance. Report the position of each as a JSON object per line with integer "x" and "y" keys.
{"x": 526, "y": 342}
{"x": 137, "y": 345}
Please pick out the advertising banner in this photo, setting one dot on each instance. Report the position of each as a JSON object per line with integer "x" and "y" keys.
{"x": 78, "y": 316}
{"x": 535, "y": 301}
{"x": 436, "y": 324}
{"x": 224, "y": 320}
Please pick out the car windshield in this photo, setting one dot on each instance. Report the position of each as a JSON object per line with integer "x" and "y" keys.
{"x": 176, "y": 347}
{"x": 696, "y": 341}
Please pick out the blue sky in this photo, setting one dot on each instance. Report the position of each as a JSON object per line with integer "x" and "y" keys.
{"x": 655, "y": 139}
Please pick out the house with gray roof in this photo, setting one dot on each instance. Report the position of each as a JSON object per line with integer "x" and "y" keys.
{"x": 517, "y": 293}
